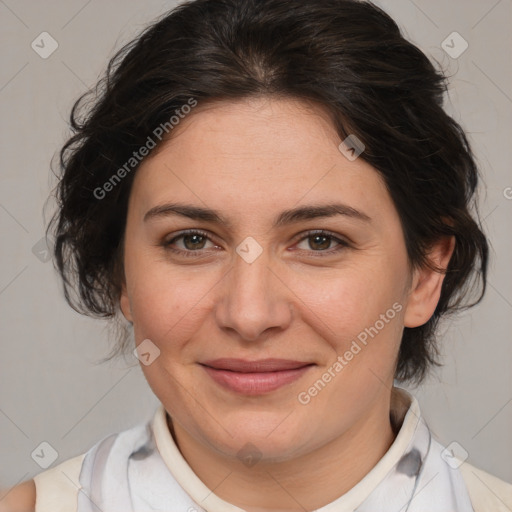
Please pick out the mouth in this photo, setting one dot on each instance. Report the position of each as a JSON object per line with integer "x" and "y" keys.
{"x": 255, "y": 377}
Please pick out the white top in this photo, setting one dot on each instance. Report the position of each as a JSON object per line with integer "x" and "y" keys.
{"x": 60, "y": 489}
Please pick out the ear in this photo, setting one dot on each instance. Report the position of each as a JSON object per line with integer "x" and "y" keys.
{"x": 426, "y": 284}
{"x": 124, "y": 303}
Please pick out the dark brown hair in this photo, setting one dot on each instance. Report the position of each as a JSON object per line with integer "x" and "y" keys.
{"x": 348, "y": 56}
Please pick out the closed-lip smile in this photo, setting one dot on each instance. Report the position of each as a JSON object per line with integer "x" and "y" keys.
{"x": 254, "y": 377}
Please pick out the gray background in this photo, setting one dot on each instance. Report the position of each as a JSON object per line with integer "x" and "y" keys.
{"x": 50, "y": 387}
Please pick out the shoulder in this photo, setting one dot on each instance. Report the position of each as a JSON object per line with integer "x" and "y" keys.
{"x": 56, "y": 489}
{"x": 21, "y": 498}
{"x": 487, "y": 492}
{"x": 53, "y": 490}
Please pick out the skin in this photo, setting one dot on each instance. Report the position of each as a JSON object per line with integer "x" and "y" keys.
{"x": 250, "y": 160}
{"x": 21, "y": 498}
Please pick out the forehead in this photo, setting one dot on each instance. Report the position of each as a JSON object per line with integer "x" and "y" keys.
{"x": 257, "y": 155}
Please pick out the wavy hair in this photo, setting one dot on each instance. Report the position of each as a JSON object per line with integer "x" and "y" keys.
{"x": 348, "y": 56}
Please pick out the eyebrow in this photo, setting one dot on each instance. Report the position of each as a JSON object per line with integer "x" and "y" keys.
{"x": 286, "y": 217}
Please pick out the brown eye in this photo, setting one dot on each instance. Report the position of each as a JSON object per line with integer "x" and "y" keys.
{"x": 193, "y": 241}
{"x": 188, "y": 243}
{"x": 321, "y": 242}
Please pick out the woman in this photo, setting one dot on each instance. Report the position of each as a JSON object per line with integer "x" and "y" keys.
{"x": 271, "y": 196}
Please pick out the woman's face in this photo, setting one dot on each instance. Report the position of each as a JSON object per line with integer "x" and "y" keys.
{"x": 257, "y": 284}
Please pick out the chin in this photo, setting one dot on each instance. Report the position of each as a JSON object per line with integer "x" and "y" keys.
{"x": 269, "y": 440}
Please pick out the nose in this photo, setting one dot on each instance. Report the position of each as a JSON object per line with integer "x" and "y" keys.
{"x": 254, "y": 299}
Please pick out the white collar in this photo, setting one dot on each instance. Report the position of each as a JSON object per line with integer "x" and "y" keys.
{"x": 404, "y": 413}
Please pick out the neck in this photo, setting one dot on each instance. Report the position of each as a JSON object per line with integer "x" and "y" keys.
{"x": 325, "y": 474}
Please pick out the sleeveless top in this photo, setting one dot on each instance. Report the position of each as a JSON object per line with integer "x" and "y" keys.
{"x": 141, "y": 469}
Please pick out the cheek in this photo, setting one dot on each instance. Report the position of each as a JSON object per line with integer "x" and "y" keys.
{"x": 166, "y": 304}
{"x": 350, "y": 299}
{"x": 358, "y": 312}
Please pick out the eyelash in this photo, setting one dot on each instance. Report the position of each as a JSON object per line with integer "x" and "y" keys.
{"x": 321, "y": 254}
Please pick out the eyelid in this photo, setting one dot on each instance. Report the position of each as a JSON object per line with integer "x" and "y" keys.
{"x": 168, "y": 241}
{"x": 342, "y": 242}
{"x": 311, "y": 232}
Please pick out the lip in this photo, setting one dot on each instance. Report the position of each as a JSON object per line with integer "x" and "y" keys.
{"x": 255, "y": 377}
{"x": 258, "y": 366}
